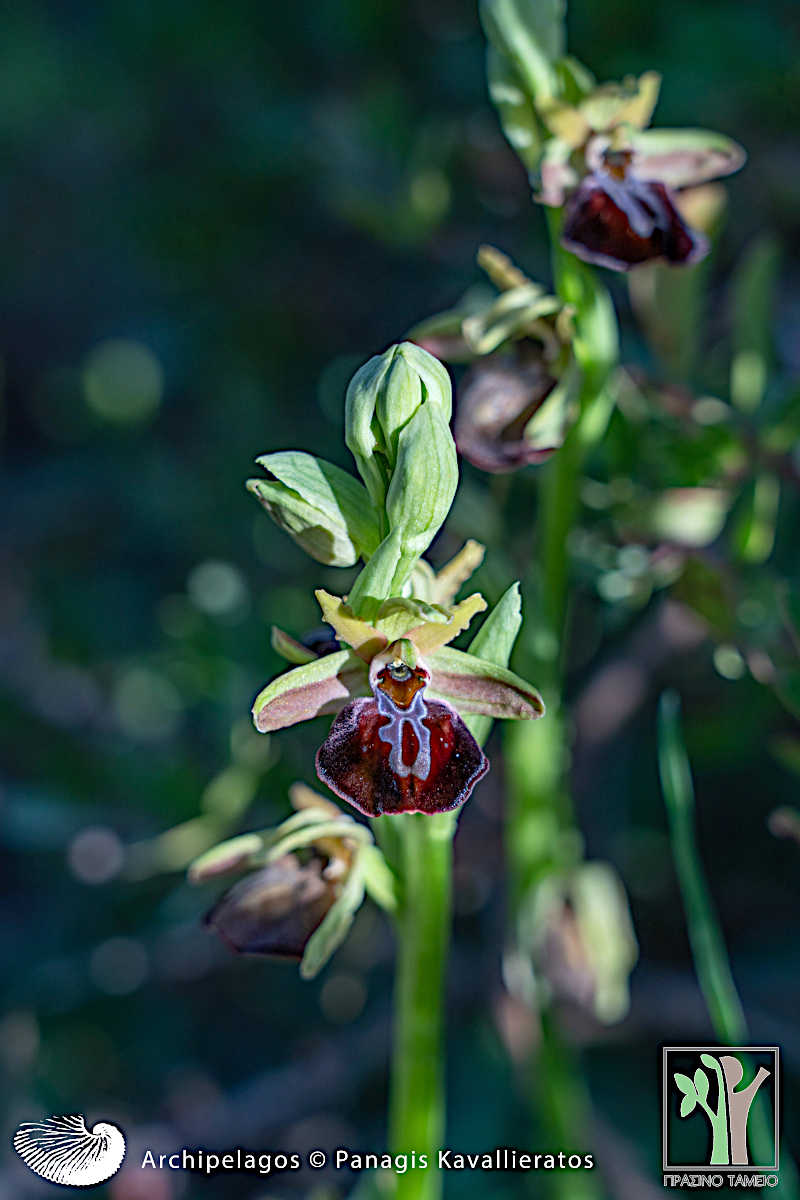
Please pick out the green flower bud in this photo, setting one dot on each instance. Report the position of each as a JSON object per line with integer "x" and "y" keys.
{"x": 322, "y": 508}
{"x": 383, "y": 398}
{"x": 424, "y": 480}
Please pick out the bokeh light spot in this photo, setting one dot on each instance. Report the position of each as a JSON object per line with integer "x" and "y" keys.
{"x": 119, "y": 966}
{"x": 217, "y": 588}
{"x": 123, "y": 381}
{"x": 95, "y": 855}
{"x": 343, "y": 997}
{"x": 729, "y": 662}
{"x": 147, "y": 705}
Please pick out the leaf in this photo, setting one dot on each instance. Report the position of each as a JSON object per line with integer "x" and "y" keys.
{"x": 684, "y": 1083}
{"x": 753, "y": 534}
{"x": 323, "y": 538}
{"x": 701, "y": 1083}
{"x": 322, "y": 686}
{"x": 328, "y": 937}
{"x": 688, "y": 1104}
{"x": 708, "y": 1061}
{"x": 754, "y": 287}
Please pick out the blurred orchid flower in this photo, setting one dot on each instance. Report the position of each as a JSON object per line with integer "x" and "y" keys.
{"x": 619, "y": 186}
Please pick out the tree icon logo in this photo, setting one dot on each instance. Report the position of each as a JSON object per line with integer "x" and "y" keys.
{"x": 720, "y": 1107}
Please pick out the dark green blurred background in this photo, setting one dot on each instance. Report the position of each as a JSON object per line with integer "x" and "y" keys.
{"x": 213, "y": 214}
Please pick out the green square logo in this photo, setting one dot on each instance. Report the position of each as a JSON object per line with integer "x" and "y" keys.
{"x": 720, "y": 1108}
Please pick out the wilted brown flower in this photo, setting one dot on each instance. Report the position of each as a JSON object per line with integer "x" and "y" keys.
{"x": 496, "y": 400}
{"x": 275, "y": 910}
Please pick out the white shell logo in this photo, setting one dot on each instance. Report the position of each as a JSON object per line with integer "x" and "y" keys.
{"x": 64, "y": 1151}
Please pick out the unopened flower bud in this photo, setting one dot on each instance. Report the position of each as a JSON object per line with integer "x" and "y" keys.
{"x": 383, "y": 398}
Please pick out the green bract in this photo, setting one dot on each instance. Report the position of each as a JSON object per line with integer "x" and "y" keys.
{"x": 319, "y": 505}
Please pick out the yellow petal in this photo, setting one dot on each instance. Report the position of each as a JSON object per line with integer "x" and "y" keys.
{"x": 457, "y": 572}
{"x": 363, "y": 637}
{"x": 430, "y": 637}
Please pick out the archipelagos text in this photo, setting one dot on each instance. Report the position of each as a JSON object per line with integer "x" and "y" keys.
{"x": 501, "y": 1158}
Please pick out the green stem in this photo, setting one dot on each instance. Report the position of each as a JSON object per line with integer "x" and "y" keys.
{"x": 542, "y": 839}
{"x": 710, "y": 955}
{"x": 417, "y": 1103}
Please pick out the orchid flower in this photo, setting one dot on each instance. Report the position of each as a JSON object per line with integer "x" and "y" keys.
{"x": 398, "y": 744}
{"x": 588, "y": 147}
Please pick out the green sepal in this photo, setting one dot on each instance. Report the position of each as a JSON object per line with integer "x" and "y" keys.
{"x": 553, "y": 419}
{"x": 510, "y": 317}
{"x": 311, "y": 832}
{"x": 322, "y": 686}
{"x": 474, "y": 685}
{"x": 494, "y": 642}
{"x": 335, "y": 926}
{"x": 379, "y": 879}
{"x": 235, "y": 854}
{"x": 683, "y": 158}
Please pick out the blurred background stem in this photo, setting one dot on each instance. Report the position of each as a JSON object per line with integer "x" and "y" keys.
{"x": 541, "y": 834}
{"x": 710, "y": 955}
{"x": 417, "y": 1101}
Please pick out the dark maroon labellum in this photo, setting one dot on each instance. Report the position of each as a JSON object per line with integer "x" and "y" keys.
{"x": 616, "y": 220}
{"x": 400, "y": 753}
